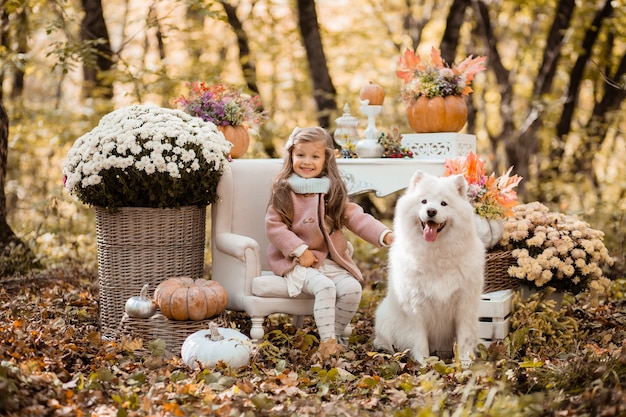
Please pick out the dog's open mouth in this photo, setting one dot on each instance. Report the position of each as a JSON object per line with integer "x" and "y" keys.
{"x": 431, "y": 229}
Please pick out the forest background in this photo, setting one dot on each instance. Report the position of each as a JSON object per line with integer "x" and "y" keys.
{"x": 551, "y": 103}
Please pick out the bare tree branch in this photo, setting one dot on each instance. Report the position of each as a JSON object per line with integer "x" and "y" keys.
{"x": 379, "y": 14}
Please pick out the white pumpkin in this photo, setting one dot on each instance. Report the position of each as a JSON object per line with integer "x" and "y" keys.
{"x": 208, "y": 347}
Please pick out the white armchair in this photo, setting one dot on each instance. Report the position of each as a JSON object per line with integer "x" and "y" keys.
{"x": 239, "y": 244}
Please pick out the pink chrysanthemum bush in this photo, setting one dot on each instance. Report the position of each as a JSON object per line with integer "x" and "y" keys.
{"x": 554, "y": 249}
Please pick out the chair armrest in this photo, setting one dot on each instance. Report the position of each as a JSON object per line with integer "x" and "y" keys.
{"x": 235, "y": 245}
{"x": 236, "y": 261}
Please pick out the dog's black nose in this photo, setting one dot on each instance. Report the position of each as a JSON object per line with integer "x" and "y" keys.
{"x": 431, "y": 212}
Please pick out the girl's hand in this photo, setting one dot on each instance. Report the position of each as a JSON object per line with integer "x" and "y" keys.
{"x": 388, "y": 239}
{"x": 307, "y": 259}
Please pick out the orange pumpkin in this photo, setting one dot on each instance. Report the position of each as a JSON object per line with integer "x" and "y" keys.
{"x": 437, "y": 114}
{"x": 372, "y": 92}
{"x": 240, "y": 138}
{"x": 184, "y": 298}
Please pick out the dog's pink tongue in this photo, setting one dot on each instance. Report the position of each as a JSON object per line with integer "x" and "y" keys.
{"x": 430, "y": 231}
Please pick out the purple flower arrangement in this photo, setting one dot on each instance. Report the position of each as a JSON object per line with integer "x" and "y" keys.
{"x": 221, "y": 104}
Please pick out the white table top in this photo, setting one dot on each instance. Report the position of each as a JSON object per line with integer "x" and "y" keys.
{"x": 383, "y": 176}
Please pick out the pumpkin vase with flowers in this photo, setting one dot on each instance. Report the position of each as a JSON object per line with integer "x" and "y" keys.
{"x": 435, "y": 92}
{"x": 492, "y": 197}
{"x": 231, "y": 110}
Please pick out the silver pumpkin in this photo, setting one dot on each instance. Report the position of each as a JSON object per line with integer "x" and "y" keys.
{"x": 140, "y": 307}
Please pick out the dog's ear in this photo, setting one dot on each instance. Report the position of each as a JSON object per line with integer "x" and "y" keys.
{"x": 417, "y": 177}
{"x": 461, "y": 185}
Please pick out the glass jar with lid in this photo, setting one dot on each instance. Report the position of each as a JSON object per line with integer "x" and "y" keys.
{"x": 346, "y": 130}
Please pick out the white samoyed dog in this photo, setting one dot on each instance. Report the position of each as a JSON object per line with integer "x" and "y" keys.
{"x": 436, "y": 266}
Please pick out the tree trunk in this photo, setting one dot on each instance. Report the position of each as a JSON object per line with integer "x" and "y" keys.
{"x": 414, "y": 25}
{"x": 93, "y": 29}
{"x": 552, "y": 51}
{"x": 15, "y": 256}
{"x": 6, "y": 234}
{"x": 450, "y": 41}
{"x": 596, "y": 128}
{"x": 22, "y": 50}
{"x": 604, "y": 111}
{"x": 323, "y": 89}
{"x": 248, "y": 66}
{"x": 543, "y": 85}
{"x": 577, "y": 72}
{"x": 508, "y": 134}
{"x": 4, "y": 42}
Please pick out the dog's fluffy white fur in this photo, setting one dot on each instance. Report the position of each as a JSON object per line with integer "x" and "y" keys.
{"x": 436, "y": 265}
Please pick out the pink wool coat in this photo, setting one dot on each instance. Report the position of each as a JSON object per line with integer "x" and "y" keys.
{"x": 308, "y": 210}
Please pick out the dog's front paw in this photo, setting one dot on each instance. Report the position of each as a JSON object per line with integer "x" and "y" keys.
{"x": 422, "y": 360}
{"x": 383, "y": 344}
{"x": 419, "y": 356}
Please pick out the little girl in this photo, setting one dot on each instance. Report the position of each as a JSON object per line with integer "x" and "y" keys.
{"x": 304, "y": 223}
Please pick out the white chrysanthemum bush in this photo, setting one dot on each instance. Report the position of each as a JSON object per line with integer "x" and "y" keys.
{"x": 147, "y": 156}
{"x": 555, "y": 249}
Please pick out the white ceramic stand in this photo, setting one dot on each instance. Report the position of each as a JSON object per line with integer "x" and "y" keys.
{"x": 369, "y": 147}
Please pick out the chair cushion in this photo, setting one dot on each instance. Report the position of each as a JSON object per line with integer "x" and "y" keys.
{"x": 269, "y": 285}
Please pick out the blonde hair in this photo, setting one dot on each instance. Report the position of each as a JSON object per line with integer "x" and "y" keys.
{"x": 337, "y": 195}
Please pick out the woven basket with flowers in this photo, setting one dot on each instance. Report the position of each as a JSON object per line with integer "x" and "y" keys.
{"x": 555, "y": 249}
{"x": 149, "y": 172}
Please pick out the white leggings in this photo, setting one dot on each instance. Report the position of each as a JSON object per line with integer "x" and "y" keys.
{"x": 337, "y": 296}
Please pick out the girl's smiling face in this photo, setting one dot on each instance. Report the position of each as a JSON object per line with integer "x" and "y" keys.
{"x": 309, "y": 158}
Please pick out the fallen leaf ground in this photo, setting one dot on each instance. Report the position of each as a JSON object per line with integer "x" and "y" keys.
{"x": 569, "y": 362}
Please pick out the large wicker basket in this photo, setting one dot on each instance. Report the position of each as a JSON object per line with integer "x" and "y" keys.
{"x": 172, "y": 332}
{"x": 144, "y": 245}
{"x": 497, "y": 263}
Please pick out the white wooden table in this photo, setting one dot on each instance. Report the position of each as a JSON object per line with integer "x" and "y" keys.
{"x": 383, "y": 175}
{"x": 388, "y": 175}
